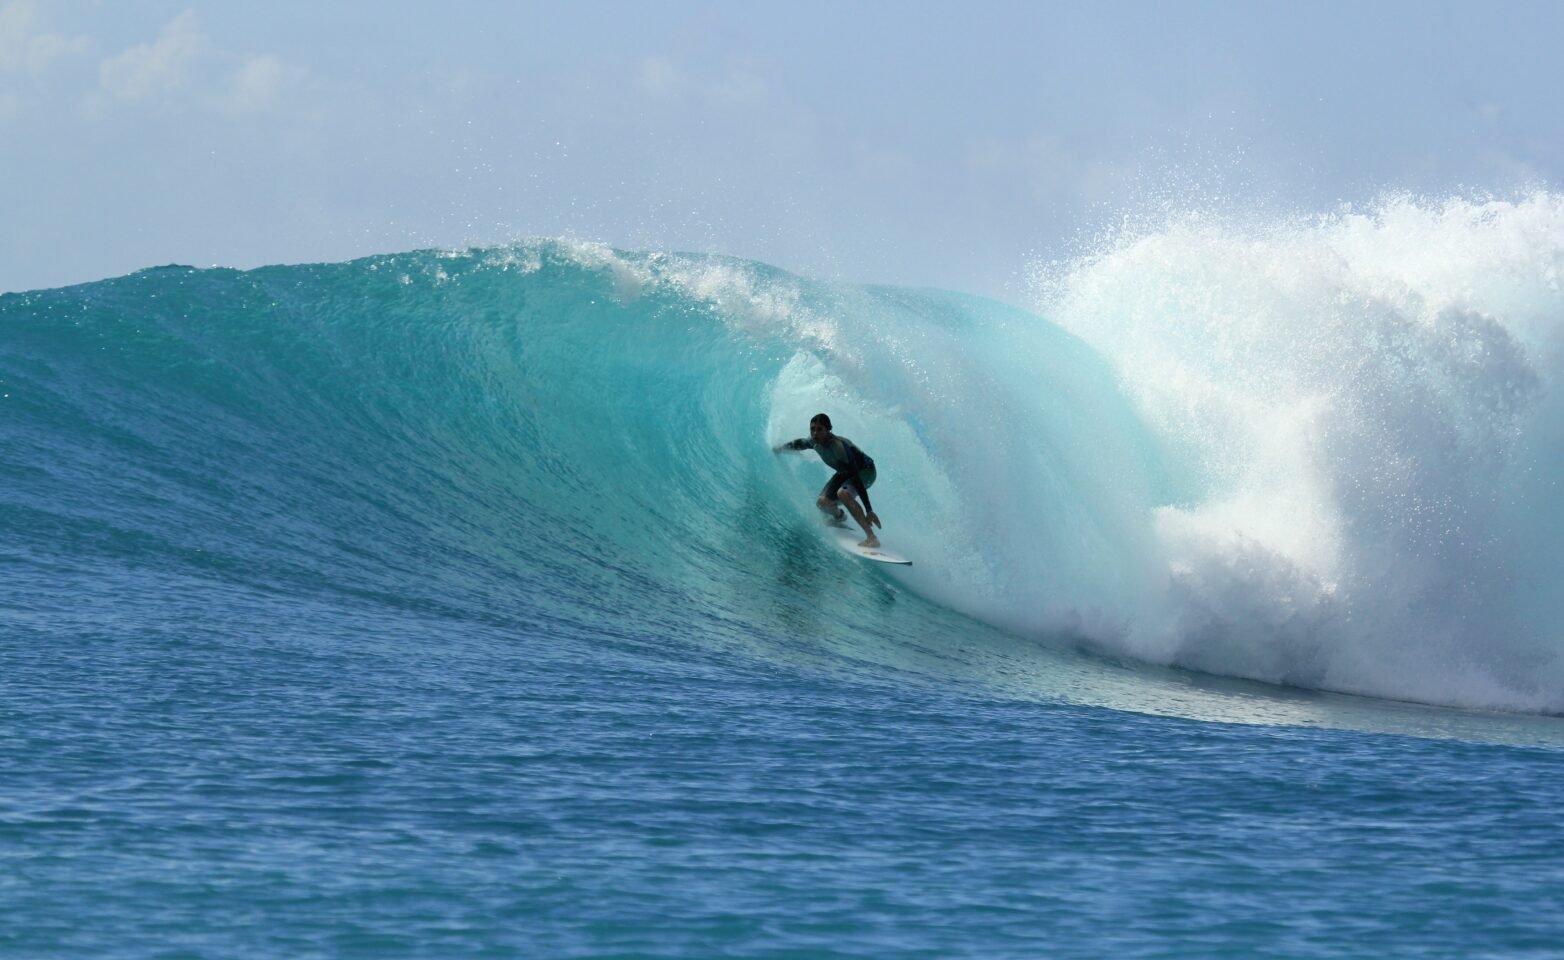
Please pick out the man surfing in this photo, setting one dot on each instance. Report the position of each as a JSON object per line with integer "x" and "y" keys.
{"x": 853, "y": 477}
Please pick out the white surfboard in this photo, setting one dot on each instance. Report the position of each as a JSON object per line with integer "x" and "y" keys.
{"x": 847, "y": 539}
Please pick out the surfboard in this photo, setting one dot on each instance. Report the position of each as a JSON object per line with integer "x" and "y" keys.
{"x": 847, "y": 539}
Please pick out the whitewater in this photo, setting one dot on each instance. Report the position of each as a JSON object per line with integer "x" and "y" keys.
{"x": 453, "y": 602}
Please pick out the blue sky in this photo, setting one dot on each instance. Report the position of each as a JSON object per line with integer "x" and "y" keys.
{"x": 912, "y": 143}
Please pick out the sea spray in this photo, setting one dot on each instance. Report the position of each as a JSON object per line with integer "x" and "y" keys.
{"x": 1370, "y": 402}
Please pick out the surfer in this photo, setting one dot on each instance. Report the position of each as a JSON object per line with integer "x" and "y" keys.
{"x": 853, "y": 477}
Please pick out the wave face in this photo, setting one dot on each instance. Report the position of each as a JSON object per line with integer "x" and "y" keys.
{"x": 558, "y": 435}
{"x": 1320, "y": 454}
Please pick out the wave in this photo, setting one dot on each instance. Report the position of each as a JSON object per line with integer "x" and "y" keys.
{"x": 1319, "y": 454}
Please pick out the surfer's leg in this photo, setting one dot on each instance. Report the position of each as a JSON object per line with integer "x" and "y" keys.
{"x": 849, "y": 499}
{"x": 827, "y": 499}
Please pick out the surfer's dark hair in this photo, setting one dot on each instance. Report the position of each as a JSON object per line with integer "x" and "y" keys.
{"x": 821, "y": 419}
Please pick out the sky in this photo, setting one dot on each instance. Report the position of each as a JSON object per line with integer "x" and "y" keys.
{"x": 914, "y": 143}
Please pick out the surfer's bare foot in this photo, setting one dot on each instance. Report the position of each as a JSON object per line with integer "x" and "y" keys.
{"x": 871, "y": 543}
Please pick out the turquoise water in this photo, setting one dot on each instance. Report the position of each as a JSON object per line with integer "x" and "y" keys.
{"x": 452, "y": 604}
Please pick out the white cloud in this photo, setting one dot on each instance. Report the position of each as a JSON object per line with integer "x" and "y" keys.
{"x": 660, "y": 79}
{"x": 23, "y": 48}
{"x": 185, "y": 63}
{"x": 259, "y": 83}
{"x": 740, "y": 87}
{"x": 155, "y": 69}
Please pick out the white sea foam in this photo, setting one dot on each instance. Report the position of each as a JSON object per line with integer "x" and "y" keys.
{"x": 1370, "y": 404}
{"x": 757, "y": 305}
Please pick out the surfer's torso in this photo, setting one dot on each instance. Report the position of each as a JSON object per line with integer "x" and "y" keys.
{"x": 847, "y": 459}
{"x": 839, "y": 453}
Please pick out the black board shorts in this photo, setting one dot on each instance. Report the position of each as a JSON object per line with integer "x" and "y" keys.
{"x": 840, "y": 477}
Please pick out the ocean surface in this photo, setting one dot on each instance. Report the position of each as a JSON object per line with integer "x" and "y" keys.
{"x": 453, "y": 604}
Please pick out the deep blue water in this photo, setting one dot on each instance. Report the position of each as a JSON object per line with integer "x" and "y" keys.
{"x": 446, "y": 605}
